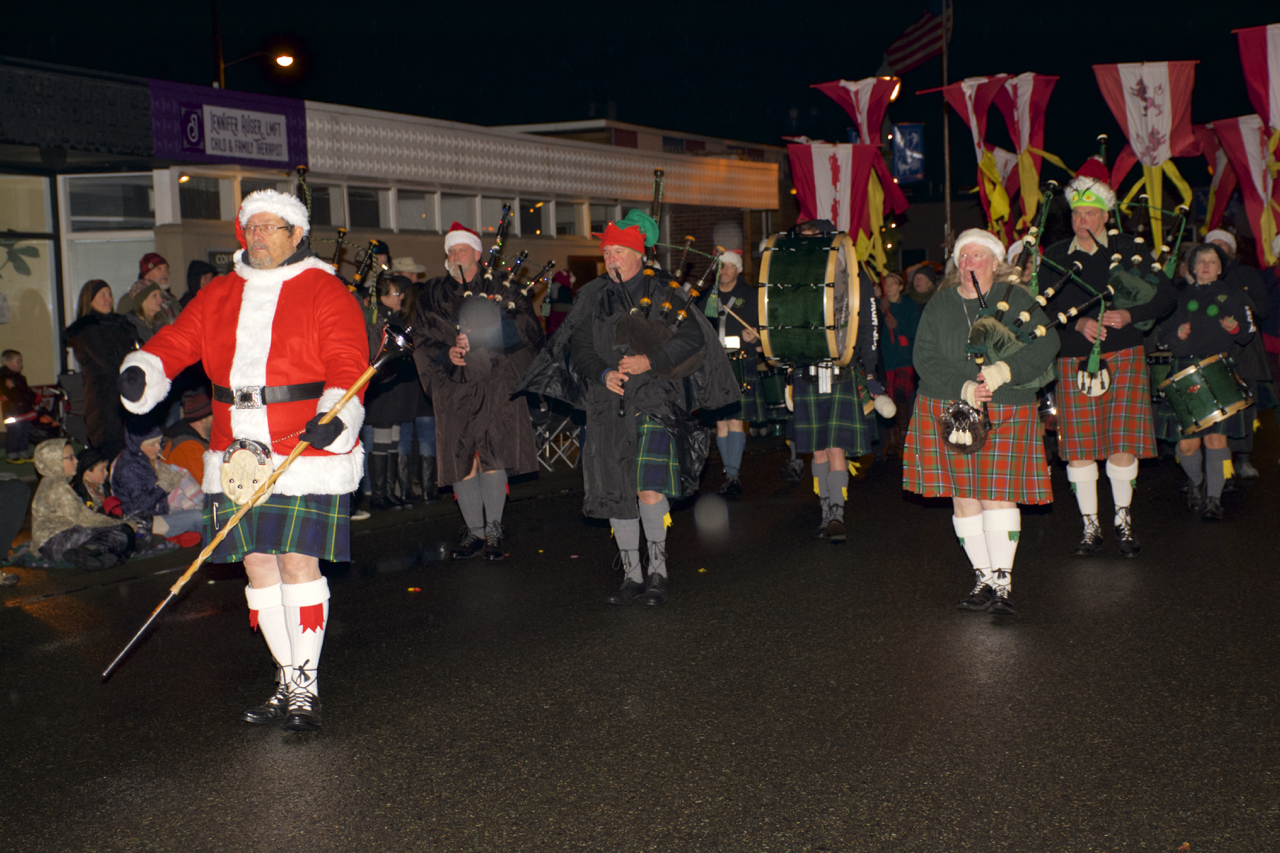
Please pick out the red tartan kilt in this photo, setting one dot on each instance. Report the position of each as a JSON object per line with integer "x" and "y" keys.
{"x": 1117, "y": 422}
{"x": 1011, "y": 467}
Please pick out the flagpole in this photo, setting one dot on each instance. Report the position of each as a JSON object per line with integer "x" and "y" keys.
{"x": 946, "y": 133}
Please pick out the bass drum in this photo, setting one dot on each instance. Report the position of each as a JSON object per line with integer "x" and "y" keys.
{"x": 808, "y": 298}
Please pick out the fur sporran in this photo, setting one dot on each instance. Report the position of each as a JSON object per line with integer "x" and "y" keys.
{"x": 963, "y": 428}
{"x": 246, "y": 465}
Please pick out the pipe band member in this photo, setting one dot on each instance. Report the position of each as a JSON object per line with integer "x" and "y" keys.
{"x": 281, "y": 340}
{"x": 1116, "y": 425}
{"x": 986, "y": 486}
{"x": 642, "y": 447}
{"x": 470, "y": 354}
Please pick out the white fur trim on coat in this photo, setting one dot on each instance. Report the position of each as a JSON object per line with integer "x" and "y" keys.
{"x": 286, "y": 206}
{"x": 157, "y": 387}
{"x": 352, "y": 414}
{"x": 308, "y": 475}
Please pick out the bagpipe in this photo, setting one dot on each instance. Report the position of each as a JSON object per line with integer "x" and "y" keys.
{"x": 643, "y": 333}
{"x": 365, "y": 275}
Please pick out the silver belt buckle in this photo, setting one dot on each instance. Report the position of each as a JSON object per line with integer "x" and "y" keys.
{"x": 248, "y": 397}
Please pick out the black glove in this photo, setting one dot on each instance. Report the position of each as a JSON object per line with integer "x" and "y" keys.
{"x": 132, "y": 383}
{"x": 322, "y": 435}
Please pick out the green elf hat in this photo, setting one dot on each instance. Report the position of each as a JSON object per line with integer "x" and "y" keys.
{"x": 644, "y": 222}
{"x": 1090, "y": 187}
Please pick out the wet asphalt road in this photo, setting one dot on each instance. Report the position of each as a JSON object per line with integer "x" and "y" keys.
{"x": 792, "y": 696}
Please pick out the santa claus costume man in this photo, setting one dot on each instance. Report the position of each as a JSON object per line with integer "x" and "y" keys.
{"x": 282, "y": 340}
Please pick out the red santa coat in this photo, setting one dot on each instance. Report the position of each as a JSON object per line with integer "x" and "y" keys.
{"x": 291, "y": 325}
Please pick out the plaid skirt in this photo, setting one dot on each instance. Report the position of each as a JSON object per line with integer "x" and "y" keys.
{"x": 1119, "y": 421}
{"x": 657, "y": 467}
{"x": 830, "y": 420}
{"x": 1011, "y": 467}
{"x": 315, "y": 525}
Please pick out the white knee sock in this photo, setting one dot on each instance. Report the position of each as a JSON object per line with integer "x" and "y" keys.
{"x": 306, "y": 611}
{"x": 1084, "y": 482}
{"x": 654, "y": 518}
{"x": 267, "y": 614}
{"x": 1002, "y": 528}
{"x": 974, "y": 542}
{"x": 1122, "y": 480}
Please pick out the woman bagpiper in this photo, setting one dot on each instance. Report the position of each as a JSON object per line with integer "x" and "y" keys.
{"x": 985, "y": 485}
{"x": 1210, "y": 317}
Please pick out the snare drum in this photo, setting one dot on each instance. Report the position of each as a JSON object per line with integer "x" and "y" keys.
{"x": 773, "y": 388}
{"x": 1159, "y": 365}
{"x": 1206, "y": 392}
{"x": 808, "y": 299}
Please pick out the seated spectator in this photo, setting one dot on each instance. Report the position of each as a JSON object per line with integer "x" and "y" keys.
{"x": 153, "y": 489}
{"x": 62, "y": 527}
{"x": 187, "y": 441}
{"x": 14, "y": 497}
{"x": 92, "y": 485}
{"x": 19, "y": 406}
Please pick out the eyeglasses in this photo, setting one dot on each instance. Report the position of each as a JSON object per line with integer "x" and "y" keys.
{"x": 265, "y": 230}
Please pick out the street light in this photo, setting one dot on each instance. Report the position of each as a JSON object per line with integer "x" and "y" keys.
{"x": 282, "y": 58}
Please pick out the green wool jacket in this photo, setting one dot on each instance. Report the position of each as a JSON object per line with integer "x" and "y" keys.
{"x": 940, "y": 358}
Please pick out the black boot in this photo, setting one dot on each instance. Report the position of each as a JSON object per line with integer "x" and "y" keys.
{"x": 403, "y": 489}
{"x": 380, "y": 483}
{"x": 429, "y": 492}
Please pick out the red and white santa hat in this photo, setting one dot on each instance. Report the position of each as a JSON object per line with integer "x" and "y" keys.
{"x": 459, "y": 233}
{"x": 984, "y": 238}
{"x": 286, "y": 206}
{"x": 734, "y": 258}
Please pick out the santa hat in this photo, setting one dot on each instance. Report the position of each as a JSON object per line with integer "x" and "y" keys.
{"x": 983, "y": 238}
{"x": 734, "y": 258}
{"x": 286, "y": 206}
{"x": 1224, "y": 236}
{"x": 459, "y": 233}
{"x": 565, "y": 278}
{"x": 1090, "y": 187}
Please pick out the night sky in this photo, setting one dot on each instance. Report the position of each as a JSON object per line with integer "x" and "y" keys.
{"x": 733, "y": 70}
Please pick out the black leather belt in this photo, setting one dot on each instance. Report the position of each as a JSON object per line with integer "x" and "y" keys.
{"x": 257, "y": 396}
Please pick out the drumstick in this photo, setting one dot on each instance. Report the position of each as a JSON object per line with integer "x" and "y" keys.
{"x": 744, "y": 323}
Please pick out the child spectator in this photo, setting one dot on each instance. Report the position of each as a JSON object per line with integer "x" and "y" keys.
{"x": 62, "y": 527}
{"x": 19, "y": 406}
{"x": 91, "y": 484}
{"x": 187, "y": 441}
{"x": 150, "y": 488}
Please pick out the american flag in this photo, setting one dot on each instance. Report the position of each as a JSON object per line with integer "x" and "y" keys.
{"x": 922, "y": 40}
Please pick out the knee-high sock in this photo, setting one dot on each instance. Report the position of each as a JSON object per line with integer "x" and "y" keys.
{"x": 974, "y": 541}
{"x": 1002, "y": 528}
{"x": 626, "y": 532}
{"x": 1122, "y": 480}
{"x": 1191, "y": 465}
{"x": 266, "y": 613}
{"x": 493, "y": 491}
{"x": 1216, "y": 460}
{"x": 654, "y": 519}
{"x": 735, "y": 443}
{"x": 306, "y": 613}
{"x": 838, "y": 490}
{"x": 471, "y": 502}
{"x": 722, "y": 444}
{"x": 1084, "y": 482}
{"x": 820, "y": 472}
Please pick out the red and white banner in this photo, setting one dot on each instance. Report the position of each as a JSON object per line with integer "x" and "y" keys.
{"x": 1260, "y": 59}
{"x": 1152, "y": 103}
{"x": 1023, "y": 101}
{"x": 1224, "y": 177}
{"x": 821, "y": 174}
{"x": 1245, "y": 139}
{"x": 865, "y": 101}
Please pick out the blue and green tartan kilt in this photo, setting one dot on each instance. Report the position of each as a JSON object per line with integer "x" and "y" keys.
{"x": 830, "y": 420}
{"x": 657, "y": 466}
{"x": 753, "y": 408}
{"x": 315, "y": 525}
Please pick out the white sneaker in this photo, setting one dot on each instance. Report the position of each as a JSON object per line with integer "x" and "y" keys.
{"x": 360, "y": 515}
{"x": 1246, "y": 471}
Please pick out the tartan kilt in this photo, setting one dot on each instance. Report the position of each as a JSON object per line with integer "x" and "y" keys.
{"x": 753, "y": 408}
{"x": 1011, "y": 467}
{"x": 1119, "y": 421}
{"x": 830, "y": 420}
{"x": 657, "y": 466}
{"x": 315, "y": 525}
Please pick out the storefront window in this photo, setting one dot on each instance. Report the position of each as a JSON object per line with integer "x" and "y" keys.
{"x": 491, "y": 213}
{"x": 370, "y": 207}
{"x": 326, "y": 206}
{"x": 198, "y": 198}
{"x": 416, "y": 211}
{"x": 111, "y": 202}
{"x": 535, "y": 218}
{"x": 24, "y": 204}
{"x": 568, "y": 219}
{"x": 457, "y": 208}
{"x": 602, "y": 215}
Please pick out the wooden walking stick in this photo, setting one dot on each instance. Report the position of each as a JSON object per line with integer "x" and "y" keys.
{"x": 395, "y": 343}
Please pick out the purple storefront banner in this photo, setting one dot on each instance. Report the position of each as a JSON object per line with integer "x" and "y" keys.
{"x": 203, "y": 125}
